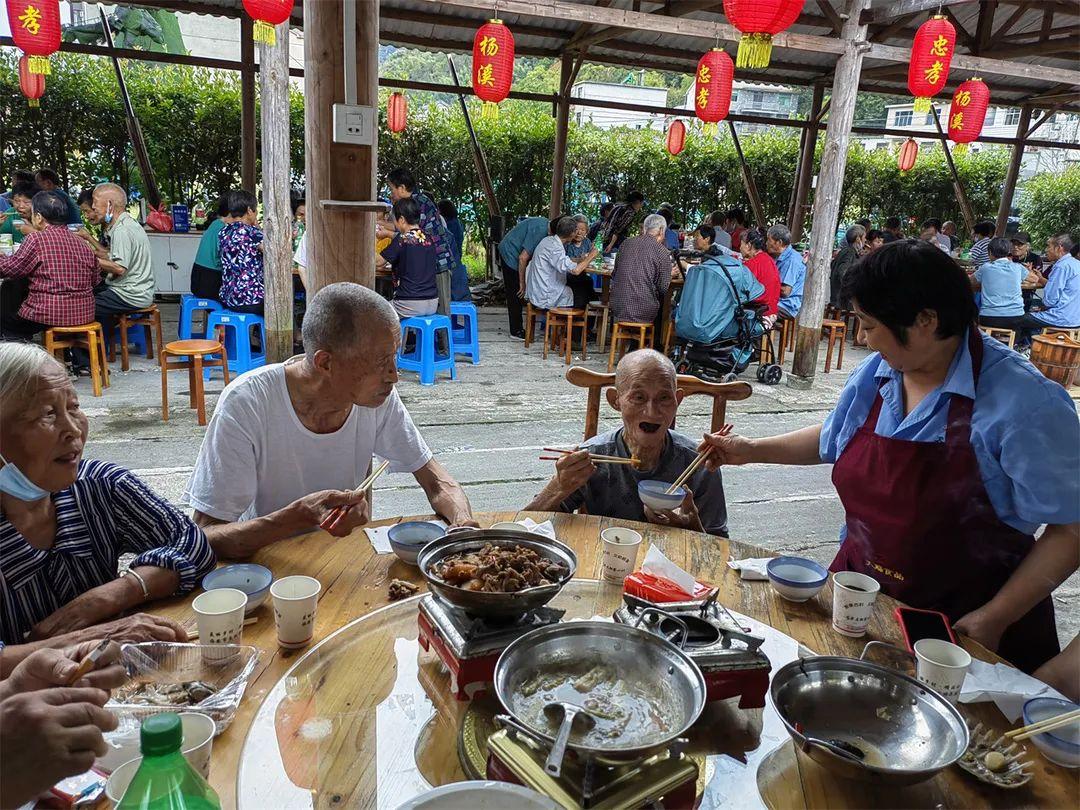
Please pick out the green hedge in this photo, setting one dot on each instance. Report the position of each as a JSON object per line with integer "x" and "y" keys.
{"x": 1050, "y": 204}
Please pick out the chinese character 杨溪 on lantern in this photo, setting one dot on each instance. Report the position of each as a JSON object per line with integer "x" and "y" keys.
{"x": 493, "y": 65}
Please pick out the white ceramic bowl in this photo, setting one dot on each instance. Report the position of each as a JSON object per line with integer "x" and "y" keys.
{"x": 252, "y": 579}
{"x": 796, "y": 578}
{"x": 480, "y": 795}
{"x": 654, "y": 495}
{"x": 197, "y": 744}
{"x": 408, "y": 538}
{"x": 1061, "y": 746}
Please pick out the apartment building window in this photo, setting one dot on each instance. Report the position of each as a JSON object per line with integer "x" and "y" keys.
{"x": 1012, "y": 117}
{"x": 903, "y": 118}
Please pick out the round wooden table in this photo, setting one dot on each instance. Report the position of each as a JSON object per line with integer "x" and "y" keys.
{"x": 365, "y": 716}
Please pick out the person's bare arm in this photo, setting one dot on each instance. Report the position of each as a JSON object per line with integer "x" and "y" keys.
{"x": 107, "y": 265}
{"x": 523, "y": 262}
{"x": 584, "y": 263}
{"x": 572, "y": 472}
{"x": 798, "y": 447}
{"x": 445, "y": 494}
{"x": 785, "y": 290}
{"x": 1063, "y": 671}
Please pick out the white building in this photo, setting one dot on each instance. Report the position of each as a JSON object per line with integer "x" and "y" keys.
{"x": 764, "y": 100}
{"x": 624, "y": 94}
{"x": 1000, "y": 122}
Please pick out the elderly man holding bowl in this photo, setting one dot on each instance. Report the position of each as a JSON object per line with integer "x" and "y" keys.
{"x": 65, "y": 521}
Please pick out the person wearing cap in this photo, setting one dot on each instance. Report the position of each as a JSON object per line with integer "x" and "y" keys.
{"x": 1023, "y": 254}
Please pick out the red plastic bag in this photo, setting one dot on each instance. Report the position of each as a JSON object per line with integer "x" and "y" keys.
{"x": 658, "y": 589}
{"x": 159, "y": 220}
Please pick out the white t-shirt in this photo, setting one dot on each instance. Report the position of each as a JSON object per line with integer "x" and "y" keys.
{"x": 300, "y": 256}
{"x": 258, "y": 457}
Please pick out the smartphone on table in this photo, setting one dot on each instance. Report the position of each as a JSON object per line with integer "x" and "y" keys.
{"x": 918, "y": 624}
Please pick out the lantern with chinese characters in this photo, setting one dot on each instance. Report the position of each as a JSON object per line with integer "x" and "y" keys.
{"x": 397, "y": 111}
{"x": 31, "y": 84}
{"x": 676, "y": 137}
{"x": 35, "y": 27}
{"x": 968, "y": 111}
{"x": 931, "y": 54}
{"x": 267, "y": 14}
{"x": 759, "y": 20}
{"x": 909, "y": 152}
{"x": 712, "y": 88}
{"x": 492, "y": 65}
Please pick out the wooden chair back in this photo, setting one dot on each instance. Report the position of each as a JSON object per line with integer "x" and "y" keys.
{"x": 596, "y": 381}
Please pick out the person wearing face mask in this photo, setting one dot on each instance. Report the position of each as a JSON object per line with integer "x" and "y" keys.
{"x": 949, "y": 452}
{"x": 646, "y": 396}
{"x": 65, "y": 521}
{"x": 289, "y": 442}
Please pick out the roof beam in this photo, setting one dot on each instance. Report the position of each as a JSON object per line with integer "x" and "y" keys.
{"x": 831, "y": 16}
{"x": 679, "y": 9}
{"x": 884, "y": 14}
{"x": 880, "y": 33}
{"x": 962, "y": 34}
{"x": 1014, "y": 18}
{"x": 984, "y": 28}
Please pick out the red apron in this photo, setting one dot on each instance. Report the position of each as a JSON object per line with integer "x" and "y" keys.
{"x": 919, "y": 521}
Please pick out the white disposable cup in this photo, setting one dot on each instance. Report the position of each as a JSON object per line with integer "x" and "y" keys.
{"x": 220, "y": 616}
{"x": 942, "y": 666}
{"x": 509, "y": 524}
{"x": 197, "y": 744}
{"x": 620, "y": 553}
{"x": 851, "y": 608}
{"x": 295, "y": 600}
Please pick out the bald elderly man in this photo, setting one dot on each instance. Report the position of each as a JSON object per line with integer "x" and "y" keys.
{"x": 646, "y": 396}
{"x": 289, "y": 441}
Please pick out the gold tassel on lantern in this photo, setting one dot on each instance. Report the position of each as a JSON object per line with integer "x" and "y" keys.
{"x": 264, "y": 32}
{"x": 33, "y": 102}
{"x": 755, "y": 51}
{"x": 39, "y": 65}
{"x": 921, "y": 105}
{"x": 490, "y": 111}
{"x": 709, "y": 130}
{"x": 959, "y": 148}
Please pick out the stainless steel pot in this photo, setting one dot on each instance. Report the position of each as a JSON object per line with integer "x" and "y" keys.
{"x": 634, "y": 653}
{"x": 482, "y": 603}
{"x": 867, "y": 721}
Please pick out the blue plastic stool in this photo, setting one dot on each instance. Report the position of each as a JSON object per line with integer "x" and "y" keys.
{"x": 237, "y": 327}
{"x": 189, "y": 305}
{"x": 422, "y": 358}
{"x": 466, "y": 330}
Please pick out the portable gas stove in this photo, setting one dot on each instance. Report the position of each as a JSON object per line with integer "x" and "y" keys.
{"x": 468, "y": 645}
{"x": 730, "y": 658}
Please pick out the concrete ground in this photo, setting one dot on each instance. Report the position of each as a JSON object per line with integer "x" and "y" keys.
{"x": 488, "y": 426}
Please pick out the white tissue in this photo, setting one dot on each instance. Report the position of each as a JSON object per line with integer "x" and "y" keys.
{"x": 380, "y": 536}
{"x": 1007, "y": 686}
{"x": 752, "y": 568}
{"x": 658, "y": 565}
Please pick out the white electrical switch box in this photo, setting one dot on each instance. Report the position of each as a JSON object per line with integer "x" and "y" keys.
{"x": 354, "y": 124}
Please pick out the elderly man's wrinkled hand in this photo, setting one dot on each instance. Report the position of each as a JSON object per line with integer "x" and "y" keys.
{"x": 318, "y": 507}
{"x": 136, "y": 628}
{"x": 574, "y": 470}
{"x": 685, "y": 517}
{"x": 52, "y": 667}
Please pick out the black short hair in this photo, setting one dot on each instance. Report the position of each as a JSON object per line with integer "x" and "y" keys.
{"x": 893, "y": 223}
{"x": 407, "y": 209}
{"x": 447, "y": 209}
{"x": 900, "y": 280}
{"x": 52, "y": 206}
{"x": 222, "y": 205}
{"x": 873, "y": 234}
{"x": 1000, "y": 247}
{"x": 564, "y": 227}
{"x": 48, "y": 174}
{"x": 1064, "y": 241}
{"x": 932, "y": 222}
{"x": 295, "y": 203}
{"x": 717, "y": 219}
{"x": 754, "y": 237}
{"x": 984, "y": 228}
{"x": 707, "y": 231}
{"x": 21, "y": 176}
{"x": 605, "y": 208}
{"x": 86, "y": 196}
{"x": 239, "y": 202}
{"x": 402, "y": 177}
{"x": 27, "y": 189}
{"x": 738, "y": 215}
{"x": 666, "y": 214}
{"x": 635, "y": 197}
{"x": 865, "y": 222}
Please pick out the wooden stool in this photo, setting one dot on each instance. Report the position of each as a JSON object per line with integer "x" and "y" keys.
{"x": 1071, "y": 334}
{"x": 834, "y": 331}
{"x": 149, "y": 318}
{"x": 1006, "y": 336}
{"x": 531, "y": 314}
{"x": 601, "y": 313}
{"x": 669, "y": 335}
{"x": 624, "y": 330}
{"x": 198, "y": 351}
{"x": 787, "y": 336}
{"x": 574, "y": 318}
{"x": 89, "y": 336}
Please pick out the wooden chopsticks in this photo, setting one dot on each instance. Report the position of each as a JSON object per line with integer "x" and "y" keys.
{"x": 338, "y": 512}
{"x": 692, "y": 468}
{"x": 1049, "y": 724}
{"x": 595, "y": 459}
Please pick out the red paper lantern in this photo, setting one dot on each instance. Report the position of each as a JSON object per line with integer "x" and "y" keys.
{"x": 267, "y": 14}
{"x": 493, "y": 65}
{"x": 967, "y": 113}
{"x": 908, "y": 154}
{"x": 712, "y": 88}
{"x": 31, "y": 84}
{"x": 931, "y": 55}
{"x": 759, "y": 20}
{"x": 676, "y": 137}
{"x": 397, "y": 112}
{"x": 35, "y": 27}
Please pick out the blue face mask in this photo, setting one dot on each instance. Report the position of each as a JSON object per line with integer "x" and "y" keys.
{"x": 108, "y": 215}
{"x": 15, "y": 483}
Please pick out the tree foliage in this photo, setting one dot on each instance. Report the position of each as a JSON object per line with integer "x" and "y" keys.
{"x": 1050, "y": 204}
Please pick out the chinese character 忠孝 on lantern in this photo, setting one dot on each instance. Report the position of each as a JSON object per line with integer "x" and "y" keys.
{"x": 712, "y": 88}
{"x": 968, "y": 111}
{"x": 493, "y": 65}
{"x": 35, "y": 28}
{"x": 759, "y": 20}
{"x": 931, "y": 54}
{"x": 267, "y": 14}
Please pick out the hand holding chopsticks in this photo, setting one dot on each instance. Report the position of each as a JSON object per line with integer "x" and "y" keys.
{"x": 332, "y": 520}
{"x": 1049, "y": 724}
{"x": 692, "y": 468}
{"x": 595, "y": 459}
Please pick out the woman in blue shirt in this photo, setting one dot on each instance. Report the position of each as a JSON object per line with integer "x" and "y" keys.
{"x": 949, "y": 452}
{"x": 999, "y": 282}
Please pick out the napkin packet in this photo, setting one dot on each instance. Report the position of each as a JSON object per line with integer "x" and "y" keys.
{"x": 661, "y": 580}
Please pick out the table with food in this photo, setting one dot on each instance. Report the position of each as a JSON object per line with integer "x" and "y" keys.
{"x": 559, "y": 660}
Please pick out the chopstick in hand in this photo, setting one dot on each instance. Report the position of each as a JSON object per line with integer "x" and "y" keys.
{"x": 338, "y": 512}
{"x": 1049, "y": 724}
{"x": 692, "y": 468}
{"x": 633, "y": 461}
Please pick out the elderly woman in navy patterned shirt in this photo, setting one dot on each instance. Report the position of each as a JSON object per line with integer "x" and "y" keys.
{"x": 65, "y": 521}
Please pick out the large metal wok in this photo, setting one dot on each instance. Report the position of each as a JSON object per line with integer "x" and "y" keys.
{"x": 867, "y": 721}
{"x": 634, "y": 653}
{"x": 496, "y": 605}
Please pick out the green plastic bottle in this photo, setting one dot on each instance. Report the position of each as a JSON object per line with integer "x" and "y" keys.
{"x": 165, "y": 780}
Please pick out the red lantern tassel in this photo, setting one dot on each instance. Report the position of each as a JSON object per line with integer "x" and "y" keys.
{"x": 264, "y": 32}
{"x": 39, "y": 65}
{"x": 755, "y": 50}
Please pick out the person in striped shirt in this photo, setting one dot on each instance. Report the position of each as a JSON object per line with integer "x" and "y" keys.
{"x": 65, "y": 521}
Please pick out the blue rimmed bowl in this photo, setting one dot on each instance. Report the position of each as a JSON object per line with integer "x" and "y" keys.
{"x": 796, "y": 578}
{"x": 1062, "y": 745}
{"x": 408, "y": 538}
{"x": 254, "y": 580}
{"x": 654, "y": 495}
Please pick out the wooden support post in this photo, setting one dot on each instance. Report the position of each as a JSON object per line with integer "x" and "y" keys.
{"x": 247, "y": 104}
{"x": 827, "y": 196}
{"x": 748, "y": 180}
{"x": 797, "y": 217}
{"x": 958, "y": 184}
{"x": 562, "y": 125}
{"x": 277, "y": 215}
{"x": 340, "y": 177}
{"x": 1014, "y": 168}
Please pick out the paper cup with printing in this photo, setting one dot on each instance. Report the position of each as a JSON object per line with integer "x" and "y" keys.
{"x": 295, "y": 601}
{"x": 620, "y": 553}
{"x": 220, "y": 616}
{"x": 942, "y": 666}
{"x": 853, "y": 602}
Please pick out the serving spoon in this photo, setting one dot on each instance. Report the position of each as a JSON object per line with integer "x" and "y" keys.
{"x": 569, "y": 714}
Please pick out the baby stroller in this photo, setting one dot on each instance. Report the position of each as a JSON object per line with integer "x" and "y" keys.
{"x": 710, "y": 344}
